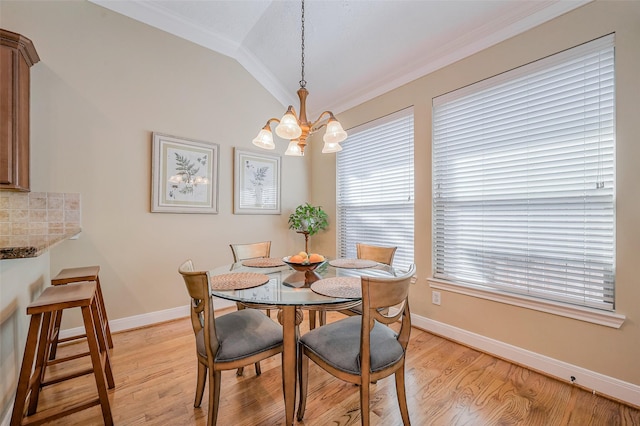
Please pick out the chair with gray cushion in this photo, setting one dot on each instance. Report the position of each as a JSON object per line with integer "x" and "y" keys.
{"x": 227, "y": 342}
{"x": 380, "y": 254}
{"x": 363, "y": 349}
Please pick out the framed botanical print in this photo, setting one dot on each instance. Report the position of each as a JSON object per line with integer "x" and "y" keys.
{"x": 184, "y": 175}
{"x": 256, "y": 185}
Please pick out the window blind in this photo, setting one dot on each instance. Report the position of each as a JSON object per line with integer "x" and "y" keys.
{"x": 375, "y": 187}
{"x": 524, "y": 179}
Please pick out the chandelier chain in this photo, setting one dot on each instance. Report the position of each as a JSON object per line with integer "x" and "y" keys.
{"x": 303, "y": 82}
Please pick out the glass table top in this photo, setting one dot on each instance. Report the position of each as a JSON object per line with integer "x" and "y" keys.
{"x": 289, "y": 287}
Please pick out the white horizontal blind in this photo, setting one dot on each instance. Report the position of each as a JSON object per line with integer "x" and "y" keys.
{"x": 375, "y": 187}
{"x": 523, "y": 185}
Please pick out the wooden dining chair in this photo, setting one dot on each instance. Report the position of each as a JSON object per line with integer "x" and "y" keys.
{"x": 227, "y": 342}
{"x": 380, "y": 254}
{"x": 363, "y": 349}
{"x": 250, "y": 251}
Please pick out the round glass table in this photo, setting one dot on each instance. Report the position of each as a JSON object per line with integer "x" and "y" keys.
{"x": 290, "y": 291}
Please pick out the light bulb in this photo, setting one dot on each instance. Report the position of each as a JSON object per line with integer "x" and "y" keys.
{"x": 335, "y": 133}
{"x": 294, "y": 149}
{"x": 264, "y": 139}
{"x": 289, "y": 127}
{"x": 330, "y": 147}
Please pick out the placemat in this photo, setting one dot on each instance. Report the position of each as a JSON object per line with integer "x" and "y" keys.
{"x": 352, "y": 263}
{"x": 238, "y": 281}
{"x": 263, "y": 262}
{"x": 342, "y": 287}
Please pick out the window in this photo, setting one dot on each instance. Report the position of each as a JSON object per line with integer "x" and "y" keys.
{"x": 523, "y": 180}
{"x": 375, "y": 187}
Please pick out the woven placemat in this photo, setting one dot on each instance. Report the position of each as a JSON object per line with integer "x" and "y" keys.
{"x": 352, "y": 263}
{"x": 263, "y": 262}
{"x": 342, "y": 287}
{"x": 238, "y": 281}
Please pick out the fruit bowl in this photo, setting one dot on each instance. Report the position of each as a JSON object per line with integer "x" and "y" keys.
{"x": 304, "y": 266}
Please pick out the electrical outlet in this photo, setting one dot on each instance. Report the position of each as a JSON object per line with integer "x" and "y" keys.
{"x": 435, "y": 297}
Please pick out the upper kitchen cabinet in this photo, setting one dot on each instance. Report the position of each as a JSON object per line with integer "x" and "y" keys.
{"x": 17, "y": 55}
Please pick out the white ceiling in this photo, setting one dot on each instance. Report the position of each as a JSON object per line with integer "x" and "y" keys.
{"x": 354, "y": 49}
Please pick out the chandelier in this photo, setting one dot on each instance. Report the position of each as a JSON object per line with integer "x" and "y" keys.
{"x": 298, "y": 129}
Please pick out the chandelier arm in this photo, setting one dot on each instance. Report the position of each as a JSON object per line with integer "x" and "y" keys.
{"x": 269, "y": 121}
{"x": 320, "y": 118}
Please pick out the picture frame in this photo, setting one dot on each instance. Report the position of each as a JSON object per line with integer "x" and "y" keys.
{"x": 256, "y": 183}
{"x": 184, "y": 175}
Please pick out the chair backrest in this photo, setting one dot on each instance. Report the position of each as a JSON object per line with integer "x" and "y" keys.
{"x": 377, "y": 294}
{"x": 201, "y": 307}
{"x": 377, "y": 253}
{"x": 250, "y": 251}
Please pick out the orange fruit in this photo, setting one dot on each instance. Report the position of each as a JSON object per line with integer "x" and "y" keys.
{"x": 296, "y": 258}
{"x": 315, "y": 257}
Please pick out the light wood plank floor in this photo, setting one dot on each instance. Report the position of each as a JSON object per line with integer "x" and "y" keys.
{"x": 447, "y": 384}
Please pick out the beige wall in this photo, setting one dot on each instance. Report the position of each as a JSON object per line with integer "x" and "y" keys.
{"x": 104, "y": 83}
{"x": 612, "y": 352}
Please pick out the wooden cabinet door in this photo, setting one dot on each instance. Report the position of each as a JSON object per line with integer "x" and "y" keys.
{"x": 17, "y": 55}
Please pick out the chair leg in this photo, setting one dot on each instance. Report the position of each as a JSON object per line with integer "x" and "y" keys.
{"x": 323, "y": 317}
{"x": 202, "y": 380}
{"x": 312, "y": 319}
{"x": 258, "y": 371}
{"x": 364, "y": 402}
{"x": 303, "y": 372}
{"x": 240, "y": 371}
{"x": 214, "y": 396}
{"x": 402, "y": 395}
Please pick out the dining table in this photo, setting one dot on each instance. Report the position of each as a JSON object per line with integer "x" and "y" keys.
{"x": 270, "y": 283}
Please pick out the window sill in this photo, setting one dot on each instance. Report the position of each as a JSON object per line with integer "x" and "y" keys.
{"x": 595, "y": 316}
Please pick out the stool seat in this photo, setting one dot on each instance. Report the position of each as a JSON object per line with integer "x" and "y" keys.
{"x": 71, "y": 296}
{"x": 44, "y": 310}
{"x": 73, "y": 275}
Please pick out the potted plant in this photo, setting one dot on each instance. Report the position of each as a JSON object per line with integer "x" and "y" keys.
{"x": 308, "y": 220}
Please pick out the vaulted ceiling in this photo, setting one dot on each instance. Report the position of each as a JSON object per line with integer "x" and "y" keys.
{"x": 354, "y": 49}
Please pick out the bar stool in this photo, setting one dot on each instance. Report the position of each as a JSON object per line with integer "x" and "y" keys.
{"x": 74, "y": 275}
{"x": 38, "y": 345}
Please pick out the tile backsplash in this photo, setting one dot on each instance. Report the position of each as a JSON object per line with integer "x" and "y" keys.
{"x": 24, "y": 215}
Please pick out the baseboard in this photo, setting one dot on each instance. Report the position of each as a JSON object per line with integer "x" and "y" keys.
{"x": 586, "y": 379}
{"x": 137, "y": 321}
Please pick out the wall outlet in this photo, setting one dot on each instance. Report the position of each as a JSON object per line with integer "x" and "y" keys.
{"x": 435, "y": 297}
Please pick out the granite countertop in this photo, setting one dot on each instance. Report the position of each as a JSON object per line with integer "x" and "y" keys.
{"x": 33, "y": 245}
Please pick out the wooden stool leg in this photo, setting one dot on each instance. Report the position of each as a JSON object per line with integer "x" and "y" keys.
{"x": 103, "y": 309}
{"x": 96, "y": 360}
{"x": 56, "y": 329}
{"x": 25, "y": 370}
{"x": 102, "y": 343}
{"x": 41, "y": 363}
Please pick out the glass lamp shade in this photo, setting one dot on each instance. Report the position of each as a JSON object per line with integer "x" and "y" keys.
{"x": 264, "y": 139}
{"x": 294, "y": 149}
{"x": 289, "y": 127}
{"x": 335, "y": 133}
{"x": 330, "y": 147}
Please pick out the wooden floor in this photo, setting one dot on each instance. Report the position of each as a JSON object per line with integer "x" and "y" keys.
{"x": 447, "y": 384}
